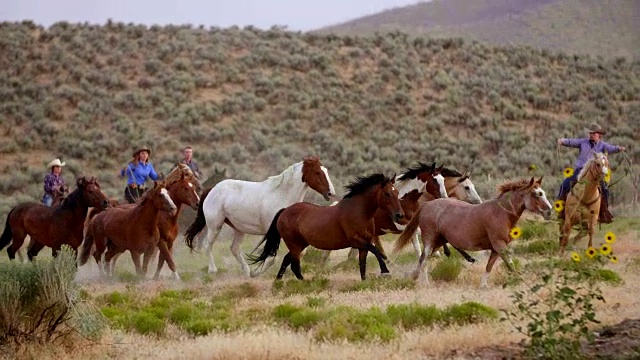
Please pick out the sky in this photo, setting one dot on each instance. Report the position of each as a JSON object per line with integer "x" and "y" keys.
{"x": 296, "y": 15}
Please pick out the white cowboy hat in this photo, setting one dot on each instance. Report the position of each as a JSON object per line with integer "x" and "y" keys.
{"x": 56, "y": 162}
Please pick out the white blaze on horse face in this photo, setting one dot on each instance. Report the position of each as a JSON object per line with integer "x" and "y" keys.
{"x": 405, "y": 186}
{"x": 332, "y": 190}
{"x": 543, "y": 196}
{"x": 443, "y": 190}
{"x": 167, "y": 198}
{"x": 470, "y": 189}
{"x": 194, "y": 191}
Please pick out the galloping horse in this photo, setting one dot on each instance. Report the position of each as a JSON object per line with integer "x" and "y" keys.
{"x": 134, "y": 229}
{"x": 583, "y": 202}
{"x": 248, "y": 207}
{"x": 471, "y": 227}
{"x": 459, "y": 186}
{"x": 52, "y": 226}
{"x": 347, "y": 224}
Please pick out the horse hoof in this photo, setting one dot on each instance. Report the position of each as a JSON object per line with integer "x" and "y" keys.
{"x": 176, "y": 277}
{"x": 385, "y": 274}
{"x": 437, "y": 254}
{"x": 212, "y": 270}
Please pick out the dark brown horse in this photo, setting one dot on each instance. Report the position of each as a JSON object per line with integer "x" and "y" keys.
{"x": 52, "y": 226}
{"x": 59, "y": 195}
{"x": 349, "y": 223}
{"x": 473, "y": 227}
{"x": 182, "y": 191}
{"x": 134, "y": 229}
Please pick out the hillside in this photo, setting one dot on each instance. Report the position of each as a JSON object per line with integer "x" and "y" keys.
{"x": 607, "y": 28}
{"x": 255, "y": 102}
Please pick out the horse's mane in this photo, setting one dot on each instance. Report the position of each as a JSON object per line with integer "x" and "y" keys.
{"x": 72, "y": 200}
{"x": 278, "y": 179}
{"x": 446, "y": 172}
{"x": 586, "y": 166}
{"x": 413, "y": 172}
{"x": 361, "y": 184}
{"x": 512, "y": 185}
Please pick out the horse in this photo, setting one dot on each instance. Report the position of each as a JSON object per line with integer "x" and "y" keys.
{"x": 475, "y": 227}
{"x": 583, "y": 202}
{"x": 347, "y": 224}
{"x": 134, "y": 229}
{"x": 248, "y": 207}
{"x": 52, "y": 226}
{"x": 59, "y": 195}
{"x": 181, "y": 191}
{"x": 459, "y": 186}
{"x": 188, "y": 216}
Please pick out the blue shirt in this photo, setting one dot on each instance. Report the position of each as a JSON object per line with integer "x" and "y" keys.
{"x": 140, "y": 173}
{"x": 586, "y": 146}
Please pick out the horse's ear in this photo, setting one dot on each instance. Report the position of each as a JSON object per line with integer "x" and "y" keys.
{"x": 81, "y": 181}
{"x": 531, "y": 182}
{"x": 440, "y": 168}
{"x": 393, "y": 179}
{"x": 433, "y": 167}
{"x": 540, "y": 180}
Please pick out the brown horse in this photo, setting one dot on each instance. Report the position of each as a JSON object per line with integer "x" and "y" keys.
{"x": 583, "y": 203}
{"x": 59, "y": 195}
{"x": 52, "y": 226}
{"x": 349, "y": 223}
{"x": 472, "y": 227}
{"x": 134, "y": 229}
{"x": 182, "y": 191}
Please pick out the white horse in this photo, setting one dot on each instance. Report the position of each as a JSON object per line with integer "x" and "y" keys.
{"x": 249, "y": 207}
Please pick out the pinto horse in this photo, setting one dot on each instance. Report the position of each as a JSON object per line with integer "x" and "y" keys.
{"x": 583, "y": 202}
{"x": 475, "y": 227}
{"x": 52, "y": 226}
{"x": 248, "y": 207}
{"x": 349, "y": 223}
{"x": 134, "y": 229}
{"x": 182, "y": 191}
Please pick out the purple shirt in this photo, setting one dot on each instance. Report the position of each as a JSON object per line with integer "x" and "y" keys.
{"x": 586, "y": 146}
{"x": 52, "y": 181}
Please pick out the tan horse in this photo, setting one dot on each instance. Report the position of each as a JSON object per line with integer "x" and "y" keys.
{"x": 459, "y": 186}
{"x": 583, "y": 203}
{"x": 478, "y": 227}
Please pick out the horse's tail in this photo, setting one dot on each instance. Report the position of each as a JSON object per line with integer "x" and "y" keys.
{"x": 7, "y": 235}
{"x": 271, "y": 242}
{"x": 87, "y": 244}
{"x": 408, "y": 232}
{"x": 199, "y": 223}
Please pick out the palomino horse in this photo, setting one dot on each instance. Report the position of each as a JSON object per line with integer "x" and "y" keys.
{"x": 134, "y": 229}
{"x": 52, "y": 226}
{"x": 472, "y": 227}
{"x": 583, "y": 203}
{"x": 248, "y": 207}
{"x": 459, "y": 186}
{"x": 182, "y": 191}
{"x": 347, "y": 224}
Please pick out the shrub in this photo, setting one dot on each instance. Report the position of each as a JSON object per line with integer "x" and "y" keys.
{"x": 414, "y": 315}
{"x": 447, "y": 269}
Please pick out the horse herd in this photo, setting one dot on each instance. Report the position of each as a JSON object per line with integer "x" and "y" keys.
{"x": 441, "y": 204}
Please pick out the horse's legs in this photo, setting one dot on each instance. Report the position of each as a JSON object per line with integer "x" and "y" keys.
{"x": 566, "y": 231}
{"x": 34, "y": 249}
{"x": 286, "y": 261}
{"x": 590, "y": 230}
{"x": 325, "y": 255}
{"x": 378, "y": 254}
{"x": 295, "y": 266}
{"x": 16, "y": 243}
{"x": 235, "y": 250}
{"x": 135, "y": 256}
{"x": 417, "y": 246}
{"x": 352, "y": 254}
{"x": 212, "y": 236}
{"x": 485, "y": 277}
{"x": 148, "y": 255}
{"x": 422, "y": 264}
{"x": 363, "y": 263}
{"x": 165, "y": 253}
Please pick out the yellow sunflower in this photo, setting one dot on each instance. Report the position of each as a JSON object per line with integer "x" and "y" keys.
{"x": 532, "y": 167}
{"x": 591, "y": 252}
{"x": 515, "y": 232}
{"x": 610, "y": 237}
{"x": 607, "y": 177}
{"x": 605, "y": 249}
{"x": 558, "y": 205}
{"x": 575, "y": 256}
{"x": 568, "y": 172}
{"x": 614, "y": 259}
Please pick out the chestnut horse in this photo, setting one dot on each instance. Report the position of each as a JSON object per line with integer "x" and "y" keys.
{"x": 475, "y": 227}
{"x": 182, "y": 191}
{"x": 583, "y": 202}
{"x": 248, "y": 207}
{"x": 52, "y": 226}
{"x": 349, "y": 223}
{"x": 134, "y": 229}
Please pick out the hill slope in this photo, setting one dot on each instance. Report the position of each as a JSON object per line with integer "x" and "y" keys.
{"x": 608, "y": 28}
{"x": 255, "y": 102}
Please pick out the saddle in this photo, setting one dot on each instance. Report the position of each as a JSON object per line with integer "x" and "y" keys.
{"x": 604, "y": 215}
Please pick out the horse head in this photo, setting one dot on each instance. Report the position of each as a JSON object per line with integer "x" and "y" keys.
{"x": 536, "y": 200}
{"x": 183, "y": 191}
{"x": 91, "y": 192}
{"x": 465, "y": 190}
{"x": 388, "y": 199}
{"x": 597, "y": 167}
{"x": 161, "y": 199}
{"x": 317, "y": 177}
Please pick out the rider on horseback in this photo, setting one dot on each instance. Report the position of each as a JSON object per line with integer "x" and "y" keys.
{"x": 587, "y": 147}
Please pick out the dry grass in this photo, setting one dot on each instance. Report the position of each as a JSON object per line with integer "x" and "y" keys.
{"x": 274, "y": 341}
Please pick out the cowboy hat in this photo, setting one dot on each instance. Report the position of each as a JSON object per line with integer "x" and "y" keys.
{"x": 56, "y": 162}
{"x": 595, "y": 128}
{"x": 140, "y": 149}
